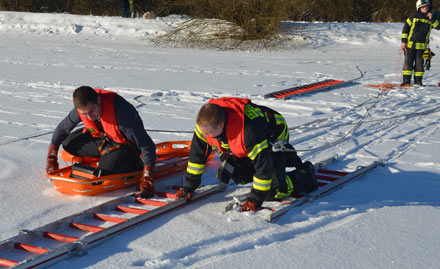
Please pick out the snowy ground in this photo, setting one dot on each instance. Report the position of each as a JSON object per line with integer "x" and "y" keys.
{"x": 388, "y": 219}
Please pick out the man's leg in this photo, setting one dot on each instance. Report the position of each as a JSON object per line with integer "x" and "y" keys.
{"x": 121, "y": 160}
{"x": 408, "y": 66}
{"x": 419, "y": 69}
{"x": 82, "y": 144}
{"x": 243, "y": 171}
{"x": 292, "y": 158}
{"x": 282, "y": 185}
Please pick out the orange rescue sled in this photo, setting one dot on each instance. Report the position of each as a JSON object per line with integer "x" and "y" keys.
{"x": 172, "y": 157}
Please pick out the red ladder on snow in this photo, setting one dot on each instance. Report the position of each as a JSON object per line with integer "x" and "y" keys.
{"x": 307, "y": 88}
{"x": 75, "y": 234}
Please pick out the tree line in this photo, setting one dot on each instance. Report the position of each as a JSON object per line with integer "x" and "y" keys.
{"x": 259, "y": 18}
{"x": 299, "y": 10}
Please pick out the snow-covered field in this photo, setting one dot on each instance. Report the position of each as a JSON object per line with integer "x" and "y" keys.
{"x": 388, "y": 219}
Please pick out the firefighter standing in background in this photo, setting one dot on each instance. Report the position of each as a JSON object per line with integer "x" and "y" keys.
{"x": 415, "y": 39}
{"x": 132, "y": 14}
{"x": 125, "y": 9}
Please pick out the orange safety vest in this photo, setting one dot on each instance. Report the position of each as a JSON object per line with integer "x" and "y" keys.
{"x": 234, "y": 108}
{"x": 108, "y": 119}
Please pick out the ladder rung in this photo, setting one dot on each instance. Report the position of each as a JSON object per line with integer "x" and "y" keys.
{"x": 320, "y": 184}
{"x": 7, "y": 263}
{"x": 331, "y": 172}
{"x": 109, "y": 218}
{"x": 86, "y": 227}
{"x": 166, "y": 194}
{"x": 31, "y": 248}
{"x": 131, "y": 210}
{"x": 329, "y": 178}
{"x": 60, "y": 237}
{"x": 150, "y": 202}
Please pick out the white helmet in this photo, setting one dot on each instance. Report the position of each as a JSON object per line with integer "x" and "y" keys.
{"x": 422, "y": 3}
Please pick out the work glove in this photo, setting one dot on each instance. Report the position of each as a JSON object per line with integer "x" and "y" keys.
{"x": 251, "y": 205}
{"x": 146, "y": 182}
{"x": 184, "y": 193}
{"x": 52, "y": 159}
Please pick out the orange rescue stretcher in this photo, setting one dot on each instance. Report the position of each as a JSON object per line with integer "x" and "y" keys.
{"x": 171, "y": 157}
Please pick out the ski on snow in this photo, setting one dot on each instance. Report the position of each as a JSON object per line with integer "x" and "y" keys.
{"x": 328, "y": 181}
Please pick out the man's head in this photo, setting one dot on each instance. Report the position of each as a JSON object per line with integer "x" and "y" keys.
{"x": 423, "y": 5}
{"x": 211, "y": 119}
{"x": 87, "y": 101}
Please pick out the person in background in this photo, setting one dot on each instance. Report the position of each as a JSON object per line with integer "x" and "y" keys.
{"x": 253, "y": 141}
{"x": 113, "y": 131}
{"x": 125, "y": 9}
{"x": 132, "y": 11}
{"x": 415, "y": 40}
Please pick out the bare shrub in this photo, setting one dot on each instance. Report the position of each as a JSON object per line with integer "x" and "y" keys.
{"x": 258, "y": 18}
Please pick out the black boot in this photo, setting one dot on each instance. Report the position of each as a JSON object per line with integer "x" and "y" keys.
{"x": 418, "y": 81}
{"x": 311, "y": 182}
{"x": 304, "y": 179}
{"x": 406, "y": 80}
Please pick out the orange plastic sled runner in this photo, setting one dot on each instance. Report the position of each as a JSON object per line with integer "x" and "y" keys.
{"x": 172, "y": 157}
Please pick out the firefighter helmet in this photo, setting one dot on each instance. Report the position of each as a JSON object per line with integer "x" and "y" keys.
{"x": 422, "y": 3}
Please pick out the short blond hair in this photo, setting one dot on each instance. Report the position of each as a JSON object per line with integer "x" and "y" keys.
{"x": 211, "y": 115}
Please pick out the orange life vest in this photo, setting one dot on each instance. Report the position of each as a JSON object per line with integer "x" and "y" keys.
{"x": 234, "y": 108}
{"x": 108, "y": 119}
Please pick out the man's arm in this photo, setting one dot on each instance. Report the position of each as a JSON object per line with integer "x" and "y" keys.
{"x": 64, "y": 128}
{"x": 61, "y": 132}
{"x": 132, "y": 127}
{"x": 198, "y": 155}
{"x": 405, "y": 32}
{"x": 258, "y": 149}
{"x": 435, "y": 20}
